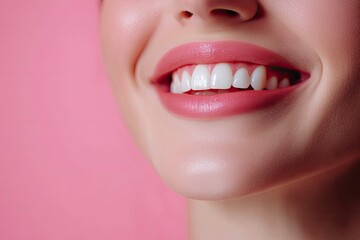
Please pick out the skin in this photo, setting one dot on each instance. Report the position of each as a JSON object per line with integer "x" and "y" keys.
{"x": 276, "y": 166}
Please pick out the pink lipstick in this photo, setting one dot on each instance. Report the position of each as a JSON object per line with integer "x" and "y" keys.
{"x": 222, "y": 104}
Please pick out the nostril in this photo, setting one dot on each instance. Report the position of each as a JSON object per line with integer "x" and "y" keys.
{"x": 185, "y": 15}
{"x": 224, "y": 13}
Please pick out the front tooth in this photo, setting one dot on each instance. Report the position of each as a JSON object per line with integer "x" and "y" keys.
{"x": 185, "y": 82}
{"x": 221, "y": 76}
{"x": 175, "y": 86}
{"x": 272, "y": 83}
{"x": 201, "y": 78}
{"x": 258, "y": 78}
{"x": 284, "y": 83}
{"x": 241, "y": 79}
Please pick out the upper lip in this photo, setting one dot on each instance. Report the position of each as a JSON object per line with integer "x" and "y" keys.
{"x": 216, "y": 52}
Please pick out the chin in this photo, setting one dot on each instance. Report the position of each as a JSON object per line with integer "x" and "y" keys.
{"x": 226, "y": 172}
{"x": 211, "y": 171}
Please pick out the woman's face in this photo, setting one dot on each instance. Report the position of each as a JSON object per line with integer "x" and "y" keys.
{"x": 231, "y": 97}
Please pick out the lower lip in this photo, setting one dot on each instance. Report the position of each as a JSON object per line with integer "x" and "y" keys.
{"x": 222, "y": 105}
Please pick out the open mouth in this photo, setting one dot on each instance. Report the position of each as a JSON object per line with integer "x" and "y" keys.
{"x": 219, "y": 79}
{"x": 210, "y": 79}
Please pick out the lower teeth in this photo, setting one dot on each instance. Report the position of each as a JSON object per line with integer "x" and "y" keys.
{"x": 203, "y": 93}
{"x": 214, "y": 91}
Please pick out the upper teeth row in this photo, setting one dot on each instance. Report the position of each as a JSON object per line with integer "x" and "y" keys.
{"x": 222, "y": 77}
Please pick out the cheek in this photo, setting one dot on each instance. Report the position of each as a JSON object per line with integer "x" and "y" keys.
{"x": 332, "y": 30}
{"x": 125, "y": 28}
{"x": 331, "y": 27}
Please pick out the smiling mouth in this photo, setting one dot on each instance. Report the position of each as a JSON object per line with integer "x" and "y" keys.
{"x": 219, "y": 79}
{"x": 210, "y": 79}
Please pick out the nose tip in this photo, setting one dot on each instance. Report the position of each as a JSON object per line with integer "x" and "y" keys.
{"x": 234, "y": 10}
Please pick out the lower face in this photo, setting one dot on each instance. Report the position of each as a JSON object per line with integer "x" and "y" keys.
{"x": 211, "y": 138}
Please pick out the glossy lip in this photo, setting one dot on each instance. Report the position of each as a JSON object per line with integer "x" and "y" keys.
{"x": 218, "y": 105}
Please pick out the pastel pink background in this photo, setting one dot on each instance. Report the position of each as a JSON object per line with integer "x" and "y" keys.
{"x": 68, "y": 169}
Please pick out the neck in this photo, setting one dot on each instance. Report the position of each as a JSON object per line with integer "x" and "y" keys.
{"x": 325, "y": 206}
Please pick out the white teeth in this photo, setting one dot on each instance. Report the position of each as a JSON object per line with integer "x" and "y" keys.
{"x": 284, "y": 83}
{"x": 221, "y": 76}
{"x": 175, "y": 86}
{"x": 241, "y": 79}
{"x": 272, "y": 83}
{"x": 258, "y": 78}
{"x": 201, "y": 78}
{"x": 185, "y": 82}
